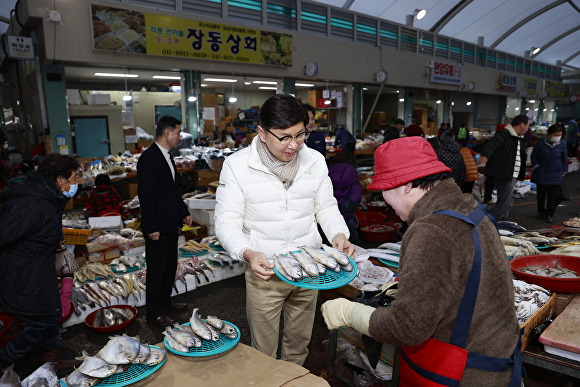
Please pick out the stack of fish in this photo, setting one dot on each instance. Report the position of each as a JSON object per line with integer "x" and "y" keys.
{"x": 548, "y": 271}
{"x": 311, "y": 262}
{"x": 43, "y": 376}
{"x": 101, "y": 293}
{"x": 569, "y": 245}
{"x": 107, "y": 317}
{"x": 191, "y": 266}
{"x": 388, "y": 251}
{"x": 183, "y": 337}
{"x": 517, "y": 247}
{"x": 93, "y": 270}
{"x": 126, "y": 262}
{"x": 115, "y": 357}
{"x": 528, "y": 299}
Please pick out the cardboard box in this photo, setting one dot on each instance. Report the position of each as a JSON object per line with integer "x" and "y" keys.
{"x": 106, "y": 222}
{"x": 131, "y": 139}
{"x": 202, "y": 204}
{"x": 209, "y": 100}
{"x": 313, "y": 96}
{"x": 131, "y": 147}
{"x": 130, "y": 131}
{"x": 99, "y": 99}
{"x": 203, "y": 177}
{"x": 130, "y": 190}
{"x": 204, "y": 217}
{"x": 105, "y": 255}
{"x": 144, "y": 143}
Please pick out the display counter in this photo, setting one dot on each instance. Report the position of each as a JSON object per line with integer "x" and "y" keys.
{"x": 357, "y": 152}
{"x": 241, "y": 366}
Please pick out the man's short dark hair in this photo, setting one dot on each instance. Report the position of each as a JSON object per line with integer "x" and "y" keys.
{"x": 166, "y": 122}
{"x": 520, "y": 119}
{"x": 282, "y": 111}
{"x": 399, "y": 121}
{"x": 555, "y": 128}
{"x": 102, "y": 179}
{"x": 428, "y": 182}
{"x": 310, "y": 108}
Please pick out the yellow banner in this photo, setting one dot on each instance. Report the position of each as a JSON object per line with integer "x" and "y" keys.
{"x": 120, "y": 30}
{"x": 530, "y": 86}
{"x": 556, "y": 89}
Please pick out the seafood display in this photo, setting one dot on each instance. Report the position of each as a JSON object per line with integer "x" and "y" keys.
{"x": 92, "y": 271}
{"x": 108, "y": 317}
{"x": 572, "y": 222}
{"x": 184, "y": 338}
{"x": 569, "y": 249}
{"x": 118, "y": 355}
{"x": 126, "y": 262}
{"x": 295, "y": 265}
{"x": 194, "y": 247}
{"x": 547, "y": 271}
{"x": 517, "y": 247}
{"x": 528, "y": 299}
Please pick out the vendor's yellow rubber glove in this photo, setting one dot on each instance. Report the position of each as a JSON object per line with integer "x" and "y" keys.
{"x": 341, "y": 312}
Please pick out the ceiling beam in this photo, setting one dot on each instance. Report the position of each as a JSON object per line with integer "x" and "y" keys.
{"x": 556, "y": 39}
{"x": 449, "y": 16}
{"x": 571, "y": 57}
{"x": 524, "y": 21}
{"x": 347, "y": 4}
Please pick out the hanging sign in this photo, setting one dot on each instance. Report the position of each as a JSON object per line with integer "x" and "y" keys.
{"x": 530, "y": 86}
{"x": 448, "y": 73}
{"x": 556, "y": 89}
{"x": 19, "y": 47}
{"x": 506, "y": 82}
{"x": 120, "y": 30}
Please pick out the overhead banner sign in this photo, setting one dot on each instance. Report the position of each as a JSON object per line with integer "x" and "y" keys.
{"x": 120, "y": 30}
{"x": 448, "y": 73}
{"x": 506, "y": 82}
{"x": 530, "y": 86}
{"x": 556, "y": 89}
{"x": 19, "y": 47}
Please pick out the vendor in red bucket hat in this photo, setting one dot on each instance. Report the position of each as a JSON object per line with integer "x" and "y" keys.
{"x": 452, "y": 273}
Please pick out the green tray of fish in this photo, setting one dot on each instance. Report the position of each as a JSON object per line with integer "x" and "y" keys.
{"x": 216, "y": 247}
{"x": 133, "y": 374}
{"x": 329, "y": 280}
{"x": 129, "y": 269}
{"x": 389, "y": 263}
{"x": 208, "y": 347}
{"x": 191, "y": 253}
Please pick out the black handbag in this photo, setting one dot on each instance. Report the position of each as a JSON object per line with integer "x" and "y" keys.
{"x": 564, "y": 197}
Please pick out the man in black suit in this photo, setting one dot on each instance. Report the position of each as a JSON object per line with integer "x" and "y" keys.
{"x": 162, "y": 213}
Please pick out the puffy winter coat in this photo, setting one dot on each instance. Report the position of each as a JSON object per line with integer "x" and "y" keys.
{"x": 549, "y": 162}
{"x": 501, "y": 154}
{"x": 317, "y": 141}
{"x": 30, "y": 232}
{"x": 346, "y": 187}
{"x": 255, "y": 211}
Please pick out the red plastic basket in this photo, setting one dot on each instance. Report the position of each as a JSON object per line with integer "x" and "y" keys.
{"x": 91, "y": 317}
{"x": 558, "y": 285}
{"x": 377, "y": 236}
{"x": 369, "y": 216}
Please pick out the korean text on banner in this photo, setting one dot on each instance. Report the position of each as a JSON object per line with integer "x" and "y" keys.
{"x": 448, "y": 73}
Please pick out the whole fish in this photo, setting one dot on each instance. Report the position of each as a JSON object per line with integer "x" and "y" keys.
{"x": 156, "y": 356}
{"x": 174, "y": 344}
{"x": 348, "y": 267}
{"x": 307, "y": 262}
{"x": 181, "y": 337}
{"x": 96, "y": 367}
{"x": 199, "y": 327}
{"x": 215, "y": 334}
{"x": 340, "y": 257}
{"x": 197, "y": 341}
{"x": 10, "y": 378}
{"x": 215, "y": 322}
{"x": 144, "y": 353}
{"x": 321, "y": 268}
{"x": 322, "y": 257}
{"x": 78, "y": 379}
{"x": 510, "y": 226}
{"x": 108, "y": 318}
{"x": 229, "y": 331}
{"x": 120, "y": 350}
{"x": 281, "y": 270}
{"x": 43, "y": 376}
{"x": 291, "y": 266}
{"x": 98, "y": 319}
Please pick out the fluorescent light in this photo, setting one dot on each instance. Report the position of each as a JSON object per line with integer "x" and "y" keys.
{"x": 516, "y": 109}
{"x": 545, "y": 110}
{"x": 165, "y": 77}
{"x": 327, "y": 102}
{"x": 192, "y": 98}
{"x": 229, "y": 80}
{"x": 247, "y": 83}
{"x": 401, "y": 99}
{"x": 203, "y": 85}
{"x": 233, "y": 99}
{"x": 438, "y": 101}
{"x": 527, "y": 109}
{"x": 119, "y": 75}
{"x": 536, "y": 109}
{"x": 421, "y": 13}
{"x": 468, "y": 103}
{"x": 127, "y": 98}
{"x": 532, "y": 101}
{"x": 266, "y": 82}
{"x": 365, "y": 88}
{"x": 536, "y": 50}
{"x": 551, "y": 110}
{"x": 304, "y": 84}
{"x": 268, "y": 88}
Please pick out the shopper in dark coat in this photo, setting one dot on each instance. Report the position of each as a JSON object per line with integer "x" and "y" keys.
{"x": 345, "y": 139}
{"x": 550, "y": 164}
{"x": 316, "y": 139}
{"x": 394, "y": 132}
{"x": 346, "y": 189}
{"x": 30, "y": 232}
{"x": 449, "y": 152}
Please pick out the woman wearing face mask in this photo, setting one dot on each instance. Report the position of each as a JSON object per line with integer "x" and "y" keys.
{"x": 30, "y": 233}
{"x": 550, "y": 164}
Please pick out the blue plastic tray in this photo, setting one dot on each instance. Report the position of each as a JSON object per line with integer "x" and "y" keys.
{"x": 129, "y": 269}
{"x": 389, "y": 263}
{"x": 134, "y": 373}
{"x": 191, "y": 253}
{"x": 216, "y": 247}
{"x": 208, "y": 347}
{"x": 328, "y": 280}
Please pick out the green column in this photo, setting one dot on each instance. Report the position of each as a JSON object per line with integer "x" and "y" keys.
{"x": 193, "y": 90}
{"x": 447, "y": 107}
{"x": 555, "y": 115}
{"x": 476, "y": 110}
{"x": 523, "y": 106}
{"x": 56, "y": 107}
{"x": 357, "y": 109}
{"x": 576, "y": 109}
{"x": 289, "y": 85}
{"x": 502, "y": 108}
{"x": 409, "y": 93}
{"x": 540, "y": 112}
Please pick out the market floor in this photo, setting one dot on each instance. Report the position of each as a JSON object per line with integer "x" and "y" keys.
{"x": 226, "y": 298}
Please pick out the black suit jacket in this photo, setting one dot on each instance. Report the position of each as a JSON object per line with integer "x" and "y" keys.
{"x": 162, "y": 208}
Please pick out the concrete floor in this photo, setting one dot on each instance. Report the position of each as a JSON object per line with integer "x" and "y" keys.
{"x": 226, "y": 298}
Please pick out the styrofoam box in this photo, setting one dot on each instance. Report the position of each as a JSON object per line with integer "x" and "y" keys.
{"x": 106, "y": 222}
{"x": 204, "y": 217}
{"x": 99, "y": 99}
{"x": 202, "y": 204}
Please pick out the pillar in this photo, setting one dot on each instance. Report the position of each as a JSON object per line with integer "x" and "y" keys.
{"x": 192, "y": 89}
{"x": 476, "y": 110}
{"x": 56, "y": 106}
{"x": 540, "y": 112}
{"x": 502, "y": 108}
{"x": 357, "y": 110}
{"x": 289, "y": 85}
{"x": 409, "y": 93}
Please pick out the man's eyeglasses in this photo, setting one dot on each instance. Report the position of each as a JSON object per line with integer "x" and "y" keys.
{"x": 286, "y": 140}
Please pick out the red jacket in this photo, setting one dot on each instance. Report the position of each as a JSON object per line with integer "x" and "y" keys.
{"x": 104, "y": 198}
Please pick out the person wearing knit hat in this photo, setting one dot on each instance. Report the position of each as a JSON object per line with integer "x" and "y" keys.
{"x": 414, "y": 130}
{"x": 451, "y": 257}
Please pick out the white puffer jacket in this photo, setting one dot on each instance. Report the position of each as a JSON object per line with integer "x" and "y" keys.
{"x": 254, "y": 210}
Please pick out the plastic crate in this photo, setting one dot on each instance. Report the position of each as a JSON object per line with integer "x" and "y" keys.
{"x": 541, "y": 315}
{"x": 73, "y": 236}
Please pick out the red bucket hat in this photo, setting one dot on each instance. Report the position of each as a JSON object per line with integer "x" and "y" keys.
{"x": 402, "y": 160}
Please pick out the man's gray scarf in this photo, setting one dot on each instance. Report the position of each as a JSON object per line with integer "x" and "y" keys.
{"x": 285, "y": 171}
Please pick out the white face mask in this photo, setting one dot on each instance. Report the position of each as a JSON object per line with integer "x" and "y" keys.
{"x": 554, "y": 139}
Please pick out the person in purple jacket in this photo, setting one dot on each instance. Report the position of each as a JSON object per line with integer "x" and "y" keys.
{"x": 549, "y": 166}
{"x": 347, "y": 189}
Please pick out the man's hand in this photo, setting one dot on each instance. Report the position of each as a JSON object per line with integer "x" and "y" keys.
{"x": 342, "y": 244}
{"x": 481, "y": 160}
{"x": 154, "y": 236}
{"x": 187, "y": 220}
{"x": 259, "y": 264}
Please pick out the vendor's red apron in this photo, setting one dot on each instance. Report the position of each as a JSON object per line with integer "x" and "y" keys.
{"x": 435, "y": 363}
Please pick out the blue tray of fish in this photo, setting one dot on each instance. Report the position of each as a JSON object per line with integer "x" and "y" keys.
{"x": 216, "y": 247}
{"x": 328, "y": 280}
{"x": 129, "y": 269}
{"x": 209, "y": 347}
{"x": 133, "y": 374}
{"x": 389, "y": 263}
{"x": 191, "y": 253}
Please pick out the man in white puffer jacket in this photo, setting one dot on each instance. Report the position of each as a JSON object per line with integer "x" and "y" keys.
{"x": 270, "y": 198}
